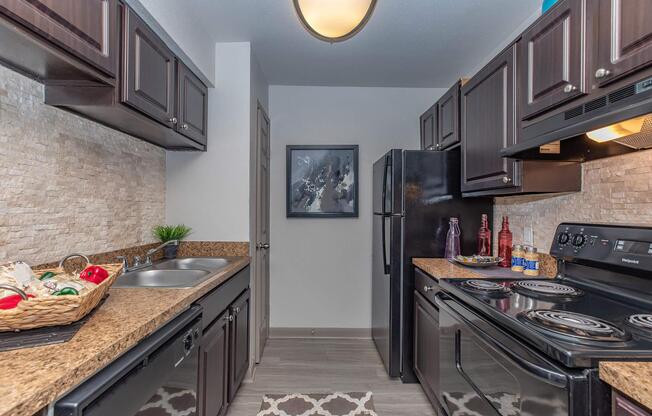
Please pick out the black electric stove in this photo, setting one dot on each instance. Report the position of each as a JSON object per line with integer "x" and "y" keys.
{"x": 598, "y": 308}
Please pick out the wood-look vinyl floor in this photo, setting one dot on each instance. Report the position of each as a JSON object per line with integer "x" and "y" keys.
{"x": 325, "y": 366}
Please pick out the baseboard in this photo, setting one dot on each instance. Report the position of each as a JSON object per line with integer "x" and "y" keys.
{"x": 353, "y": 333}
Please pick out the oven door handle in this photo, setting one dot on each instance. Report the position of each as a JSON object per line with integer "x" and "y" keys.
{"x": 549, "y": 376}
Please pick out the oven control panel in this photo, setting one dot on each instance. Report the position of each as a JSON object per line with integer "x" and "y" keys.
{"x": 624, "y": 246}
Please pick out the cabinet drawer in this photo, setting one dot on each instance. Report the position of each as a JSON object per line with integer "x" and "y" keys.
{"x": 219, "y": 299}
{"x": 425, "y": 285}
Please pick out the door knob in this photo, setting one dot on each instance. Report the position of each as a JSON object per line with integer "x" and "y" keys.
{"x": 263, "y": 246}
{"x": 602, "y": 73}
{"x": 266, "y": 246}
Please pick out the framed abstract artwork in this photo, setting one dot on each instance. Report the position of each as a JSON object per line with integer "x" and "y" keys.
{"x": 322, "y": 181}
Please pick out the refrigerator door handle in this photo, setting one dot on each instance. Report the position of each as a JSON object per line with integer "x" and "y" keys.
{"x": 386, "y": 266}
{"x": 384, "y": 209}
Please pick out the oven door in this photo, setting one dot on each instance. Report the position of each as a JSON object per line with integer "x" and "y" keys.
{"x": 486, "y": 372}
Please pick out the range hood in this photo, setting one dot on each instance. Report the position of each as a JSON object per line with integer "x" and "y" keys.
{"x": 618, "y": 122}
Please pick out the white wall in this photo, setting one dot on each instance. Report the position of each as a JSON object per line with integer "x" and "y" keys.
{"x": 210, "y": 191}
{"x": 321, "y": 268}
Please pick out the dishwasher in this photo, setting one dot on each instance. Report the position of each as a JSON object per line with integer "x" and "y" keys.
{"x": 157, "y": 377}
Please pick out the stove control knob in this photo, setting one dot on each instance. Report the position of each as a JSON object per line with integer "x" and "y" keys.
{"x": 563, "y": 238}
{"x": 579, "y": 240}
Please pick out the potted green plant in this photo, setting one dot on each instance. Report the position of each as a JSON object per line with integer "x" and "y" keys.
{"x": 167, "y": 233}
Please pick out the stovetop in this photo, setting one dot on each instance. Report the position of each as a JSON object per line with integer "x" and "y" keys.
{"x": 579, "y": 327}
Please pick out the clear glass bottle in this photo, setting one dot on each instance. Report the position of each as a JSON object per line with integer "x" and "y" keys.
{"x": 505, "y": 244}
{"x": 453, "y": 239}
{"x": 484, "y": 237}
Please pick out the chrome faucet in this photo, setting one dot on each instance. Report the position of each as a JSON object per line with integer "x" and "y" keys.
{"x": 140, "y": 264}
{"x": 148, "y": 255}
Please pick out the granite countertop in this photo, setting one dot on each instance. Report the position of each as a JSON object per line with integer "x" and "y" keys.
{"x": 630, "y": 378}
{"x": 444, "y": 269}
{"x": 34, "y": 377}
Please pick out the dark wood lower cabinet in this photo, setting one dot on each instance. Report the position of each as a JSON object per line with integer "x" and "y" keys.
{"x": 224, "y": 350}
{"x": 426, "y": 347}
{"x": 624, "y": 407}
{"x": 239, "y": 334}
{"x": 213, "y": 368}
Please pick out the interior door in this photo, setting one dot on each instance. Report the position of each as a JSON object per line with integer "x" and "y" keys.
{"x": 624, "y": 40}
{"x": 262, "y": 233}
{"x": 148, "y": 82}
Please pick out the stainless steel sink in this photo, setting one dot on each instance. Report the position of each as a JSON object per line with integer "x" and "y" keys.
{"x": 194, "y": 263}
{"x": 177, "y": 273}
{"x": 163, "y": 278}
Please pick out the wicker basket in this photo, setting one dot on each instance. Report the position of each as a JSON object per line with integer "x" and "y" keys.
{"x": 56, "y": 310}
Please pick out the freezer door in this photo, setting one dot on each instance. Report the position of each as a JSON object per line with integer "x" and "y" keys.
{"x": 387, "y": 197}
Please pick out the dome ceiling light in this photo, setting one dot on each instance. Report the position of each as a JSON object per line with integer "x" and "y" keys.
{"x": 334, "y": 20}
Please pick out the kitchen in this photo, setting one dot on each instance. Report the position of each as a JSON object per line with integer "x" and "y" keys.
{"x": 121, "y": 117}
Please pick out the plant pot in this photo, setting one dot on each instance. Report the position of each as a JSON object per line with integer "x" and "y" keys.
{"x": 170, "y": 252}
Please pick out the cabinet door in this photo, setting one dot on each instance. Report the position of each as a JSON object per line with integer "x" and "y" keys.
{"x": 148, "y": 82}
{"x": 214, "y": 368}
{"x": 192, "y": 101}
{"x": 624, "y": 38}
{"x": 448, "y": 121}
{"x": 428, "y": 122}
{"x": 624, "y": 407}
{"x": 239, "y": 334}
{"x": 551, "y": 68}
{"x": 488, "y": 125}
{"x": 87, "y": 29}
{"x": 426, "y": 346}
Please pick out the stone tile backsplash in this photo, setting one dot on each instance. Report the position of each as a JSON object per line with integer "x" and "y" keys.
{"x": 614, "y": 190}
{"x": 69, "y": 184}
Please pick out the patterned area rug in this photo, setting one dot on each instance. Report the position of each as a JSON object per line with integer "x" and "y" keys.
{"x": 334, "y": 404}
{"x": 170, "y": 401}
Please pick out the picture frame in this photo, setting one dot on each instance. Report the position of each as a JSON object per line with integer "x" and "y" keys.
{"x": 322, "y": 181}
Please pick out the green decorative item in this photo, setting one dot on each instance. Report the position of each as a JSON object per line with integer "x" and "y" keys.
{"x": 167, "y": 233}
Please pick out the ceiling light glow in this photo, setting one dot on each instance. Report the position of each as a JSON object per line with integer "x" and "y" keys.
{"x": 334, "y": 20}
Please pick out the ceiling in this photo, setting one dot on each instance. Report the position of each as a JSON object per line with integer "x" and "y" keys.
{"x": 407, "y": 43}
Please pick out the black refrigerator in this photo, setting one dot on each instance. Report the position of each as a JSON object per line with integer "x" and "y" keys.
{"x": 415, "y": 192}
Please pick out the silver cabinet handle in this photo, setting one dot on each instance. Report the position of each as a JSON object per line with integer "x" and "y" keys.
{"x": 184, "y": 126}
{"x": 236, "y": 310}
{"x": 438, "y": 146}
{"x": 506, "y": 179}
{"x": 228, "y": 318}
{"x": 427, "y": 288}
{"x": 173, "y": 120}
{"x": 569, "y": 88}
{"x": 602, "y": 73}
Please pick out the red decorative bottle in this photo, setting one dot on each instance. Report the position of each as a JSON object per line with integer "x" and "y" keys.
{"x": 505, "y": 244}
{"x": 484, "y": 237}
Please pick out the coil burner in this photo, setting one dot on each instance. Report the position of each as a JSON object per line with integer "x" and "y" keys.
{"x": 485, "y": 287}
{"x": 575, "y": 325}
{"x": 546, "y": 288}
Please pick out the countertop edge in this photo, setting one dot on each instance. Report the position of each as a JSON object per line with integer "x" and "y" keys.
{"x": 33, "y": 403}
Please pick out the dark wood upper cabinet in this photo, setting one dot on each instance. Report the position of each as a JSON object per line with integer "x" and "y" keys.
{"x": 624, "y": 42}
{"x": 192, "y": 102}
{"x": 426, "y": 346}
{"x": 428, "y": 123}
{"x": 448, "y": 120}
{"x": 551, "y": 61}
{"x": 213, "y": 368}
{"x": 148, "y": 71}
{"x": 86, "y": 29}
{"x": 488, "y": 125}
{"x": 239, "y": 334}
